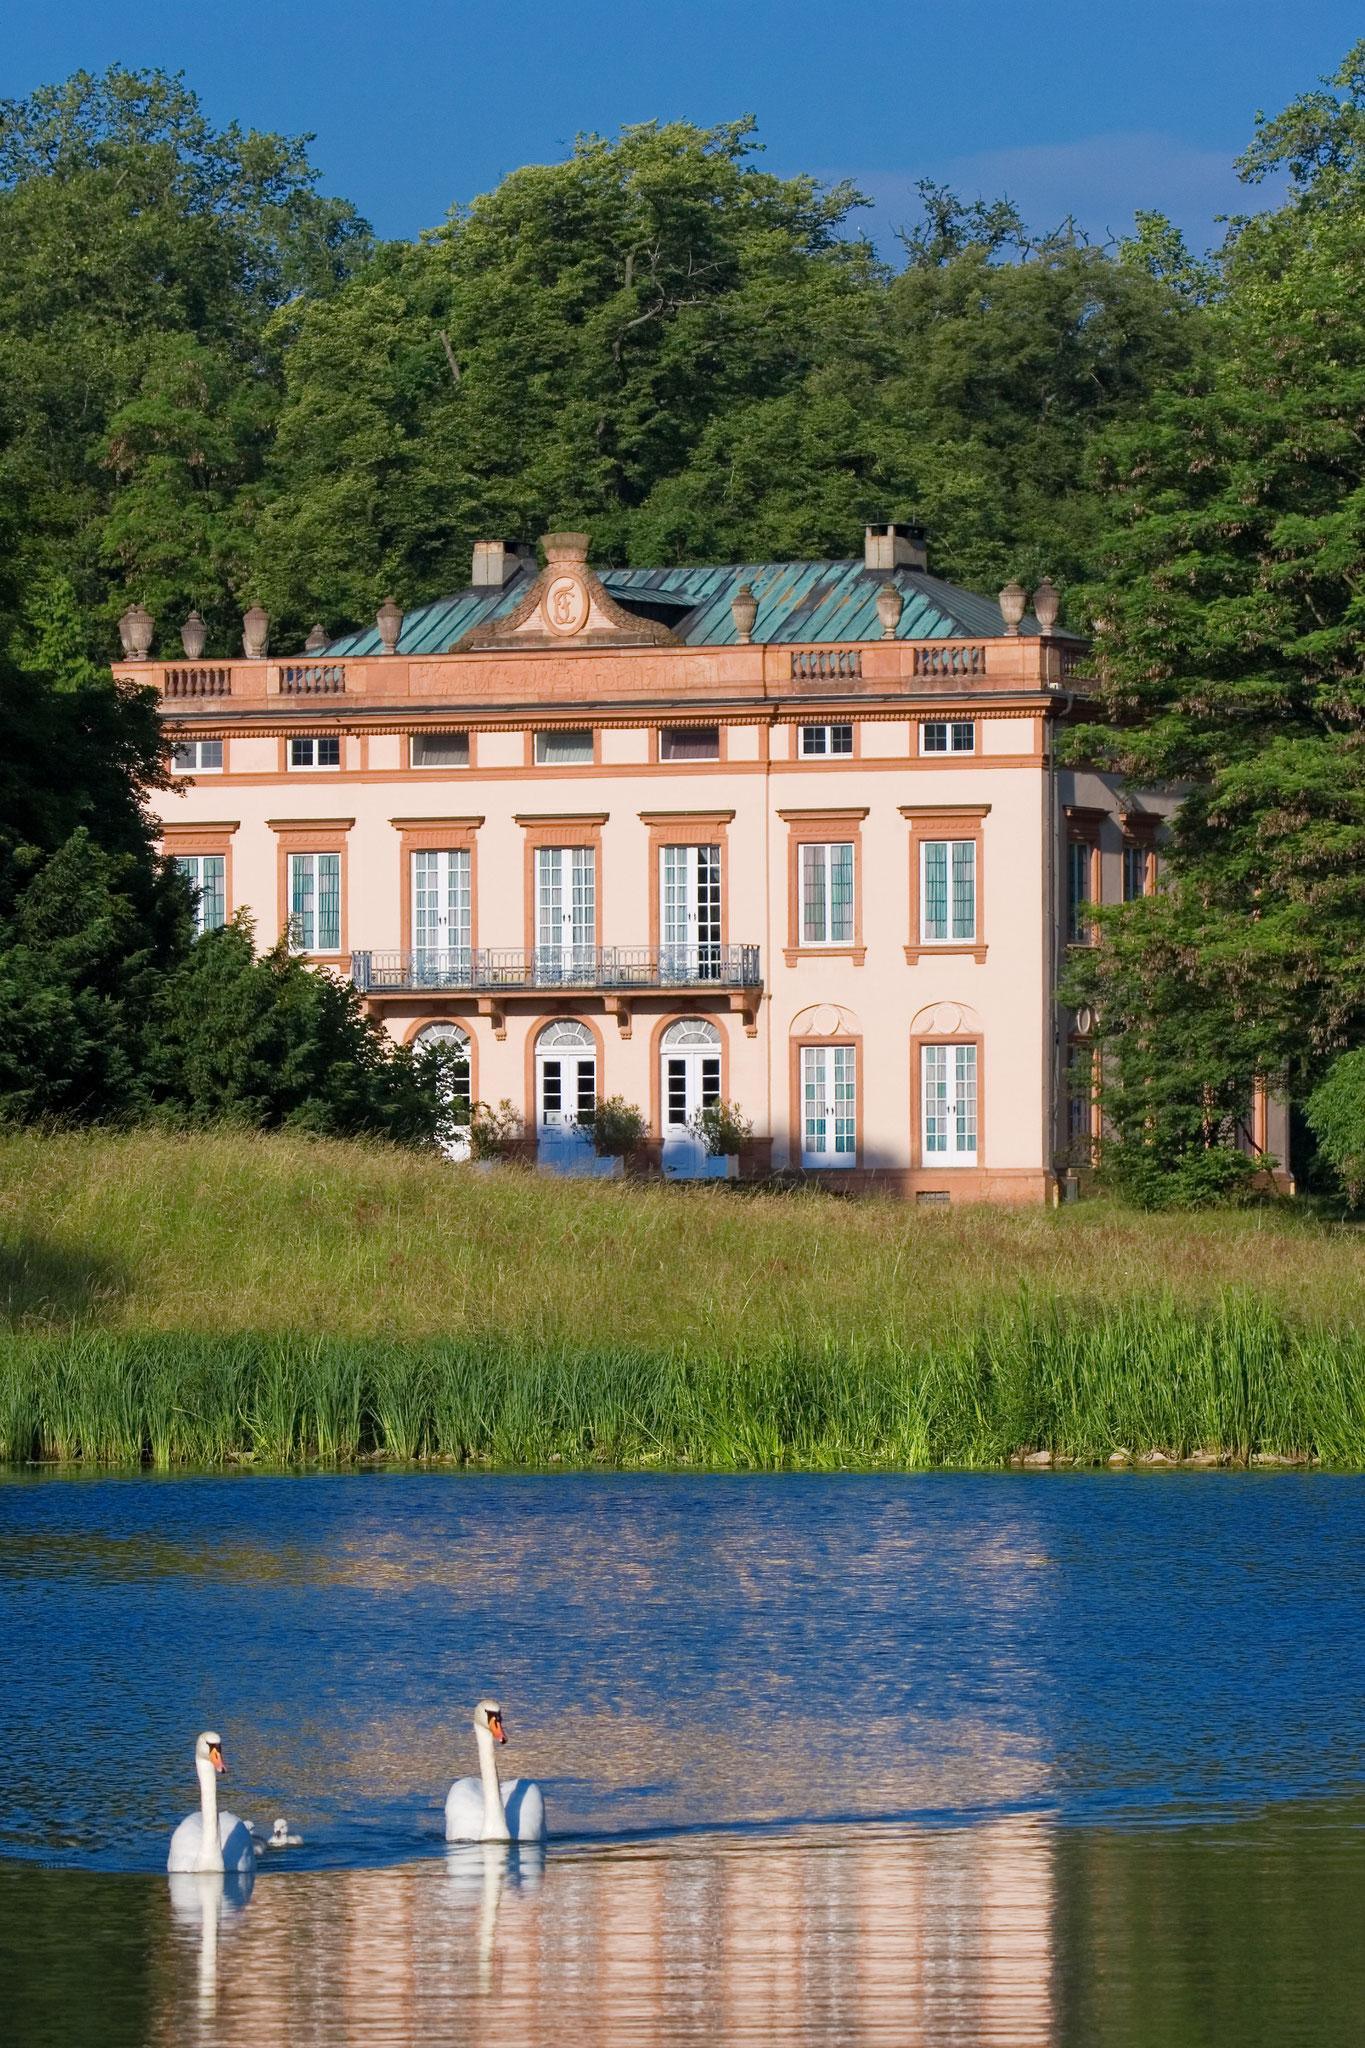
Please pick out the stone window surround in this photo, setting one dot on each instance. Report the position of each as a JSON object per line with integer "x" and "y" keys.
{"x": 313, "y": 835}
{"x": 838, "y": 825}
{"x": 945, "y": 821}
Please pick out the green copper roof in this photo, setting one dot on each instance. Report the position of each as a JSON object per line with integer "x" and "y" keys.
{"x": 802, "y": 603}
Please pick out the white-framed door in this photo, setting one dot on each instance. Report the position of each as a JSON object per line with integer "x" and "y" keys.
{"x": 829, "y": 1105}
{"x": 689, "y": 913}
{"x": 455, "y": 1141}
{"x": 566, "y": 1097}
{"x": 441, "y": 917}
{"x": 948, "y": 1105}
{"x": 689, "y": 1081}
{"x": 566, "y": 913}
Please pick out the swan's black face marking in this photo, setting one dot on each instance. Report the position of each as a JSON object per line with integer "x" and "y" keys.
{"x": 496, "y": 1727}
{"x": 216, "y": 1753}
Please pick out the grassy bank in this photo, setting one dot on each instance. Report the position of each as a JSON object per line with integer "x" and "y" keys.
{"x": 200, "y": 1299}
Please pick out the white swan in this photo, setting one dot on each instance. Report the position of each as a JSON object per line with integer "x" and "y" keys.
{"x": 209, "y": 1840}
{"x": 489, "y": 1809}
{"x": 282, "y": 1839}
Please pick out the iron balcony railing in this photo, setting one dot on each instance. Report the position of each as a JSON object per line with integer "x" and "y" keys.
{"x": 503, "y": 968}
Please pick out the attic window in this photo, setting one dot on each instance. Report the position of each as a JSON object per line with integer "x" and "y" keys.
{"x": 559, "y": 749}
{"x": 440, "y": 750}
{"x": 689, "y": 743}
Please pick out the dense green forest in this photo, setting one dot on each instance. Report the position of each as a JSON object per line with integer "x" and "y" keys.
{"x": 218, "y": 387}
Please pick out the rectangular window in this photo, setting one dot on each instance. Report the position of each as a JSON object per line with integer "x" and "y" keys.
{"x": 440, "y": 750}
{"x": 948, "y": 736}
{"x": 829, "y": 1105}
{"x": 1079, "y": 861}
{"x": 827, "y": 895}
{"x": 315, "y": 902}
{"x": 948, "y": 1104}
{"x": 557, "y": 749}
{"x": 822, "y": 740}
{"x": 947, "y": 891}
{"x": 1136, "y": 860}
{"x": 320, "y": 753}
{"x": 441, "y": 916}
{"x": 197, "y": 757}
{"x": 689, "y": 913}
{"x": 689, "y": 743}
{"x": 205, "y": 873}
{"x": 566, "y": 913}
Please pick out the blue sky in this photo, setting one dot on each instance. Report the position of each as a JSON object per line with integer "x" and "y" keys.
{"x": 1063, "y": 104}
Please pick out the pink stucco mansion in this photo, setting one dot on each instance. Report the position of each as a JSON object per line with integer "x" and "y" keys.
{"x": 790, "y": 835}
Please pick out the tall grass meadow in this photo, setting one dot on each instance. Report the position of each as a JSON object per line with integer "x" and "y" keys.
{"x": 194, "y": 1301}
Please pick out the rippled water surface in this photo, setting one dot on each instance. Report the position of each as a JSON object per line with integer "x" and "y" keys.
{"x": 1033, "y": 1758}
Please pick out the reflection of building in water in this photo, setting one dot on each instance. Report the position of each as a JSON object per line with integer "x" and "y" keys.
{"x": 869, "y": 1938}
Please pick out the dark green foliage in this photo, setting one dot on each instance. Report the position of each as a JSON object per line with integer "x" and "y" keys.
{"x": 107, "y": 1012}
{"x": 1230, "y": 658}
{"x": 268, "y": 1042}
{"x": 141, "y": 257}
{"x": 213, "y": 388}
{"x": 81, "y": 956}
{"x": 89, "y": 916}
{"x": 1336, "y": 1115}
{"x": 692, "y": 359}
{"x": 599, "y": 314}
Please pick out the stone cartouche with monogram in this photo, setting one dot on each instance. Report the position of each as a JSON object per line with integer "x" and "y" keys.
{"x": 567, "y": 606}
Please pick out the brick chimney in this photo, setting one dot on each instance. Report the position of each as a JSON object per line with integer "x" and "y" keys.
{"x": 497, "y": 561}
{"x": 894, "y": 547}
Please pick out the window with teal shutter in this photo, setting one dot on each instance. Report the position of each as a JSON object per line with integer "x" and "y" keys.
{"x": 827, "y": 910}
{"x": 206, "y": 874}
{"x": 315, "y": 902}
{"x": 948, "y": 885}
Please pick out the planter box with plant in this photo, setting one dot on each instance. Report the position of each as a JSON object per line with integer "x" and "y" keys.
{"x": 619, "y": 1128}
{"x": 724, "y": 1130}
{"x": 496, "y": 1133}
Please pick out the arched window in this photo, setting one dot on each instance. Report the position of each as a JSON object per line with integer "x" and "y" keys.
{"x": 449, "y": 1037}
{"x": 444, "y": 1034}
{"x": 690, "y": 1031}
{"x": 567, "y": 1035}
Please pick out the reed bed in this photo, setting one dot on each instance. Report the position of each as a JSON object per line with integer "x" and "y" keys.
{"x": 191, "y": 1301}
{"x": 1232, "y": 1384}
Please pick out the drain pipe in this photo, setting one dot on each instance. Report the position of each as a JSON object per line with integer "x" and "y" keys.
{"x": 1054, "y": 911}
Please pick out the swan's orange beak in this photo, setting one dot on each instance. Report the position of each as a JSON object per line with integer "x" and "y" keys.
{"x": 496, "y": 1728}
{"x": 218, "y": 1763}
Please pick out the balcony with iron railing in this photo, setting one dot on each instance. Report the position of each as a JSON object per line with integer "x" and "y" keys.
{"x": 505, "y": 970}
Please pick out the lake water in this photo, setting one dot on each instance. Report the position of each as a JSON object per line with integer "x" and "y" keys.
{"x": 941, "y": 1758}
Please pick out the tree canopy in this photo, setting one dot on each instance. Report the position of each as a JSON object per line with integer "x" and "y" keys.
{"x": 1230, "y": 645}
{"x": 142, "y": 256}
{"x": 216, "y": 387}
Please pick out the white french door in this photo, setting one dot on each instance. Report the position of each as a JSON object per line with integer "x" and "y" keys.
{"x": 690, "y": 1082}
{"x": 441, "y": 917}
{"x": 566, "y": 1098}
{"x": 829, "y": 1105}
{"x": 568, "y": 1090}
{"x": 566, "y": 913}
{"x": 689, "y": 913}
{"x": 948, "y": 1079}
